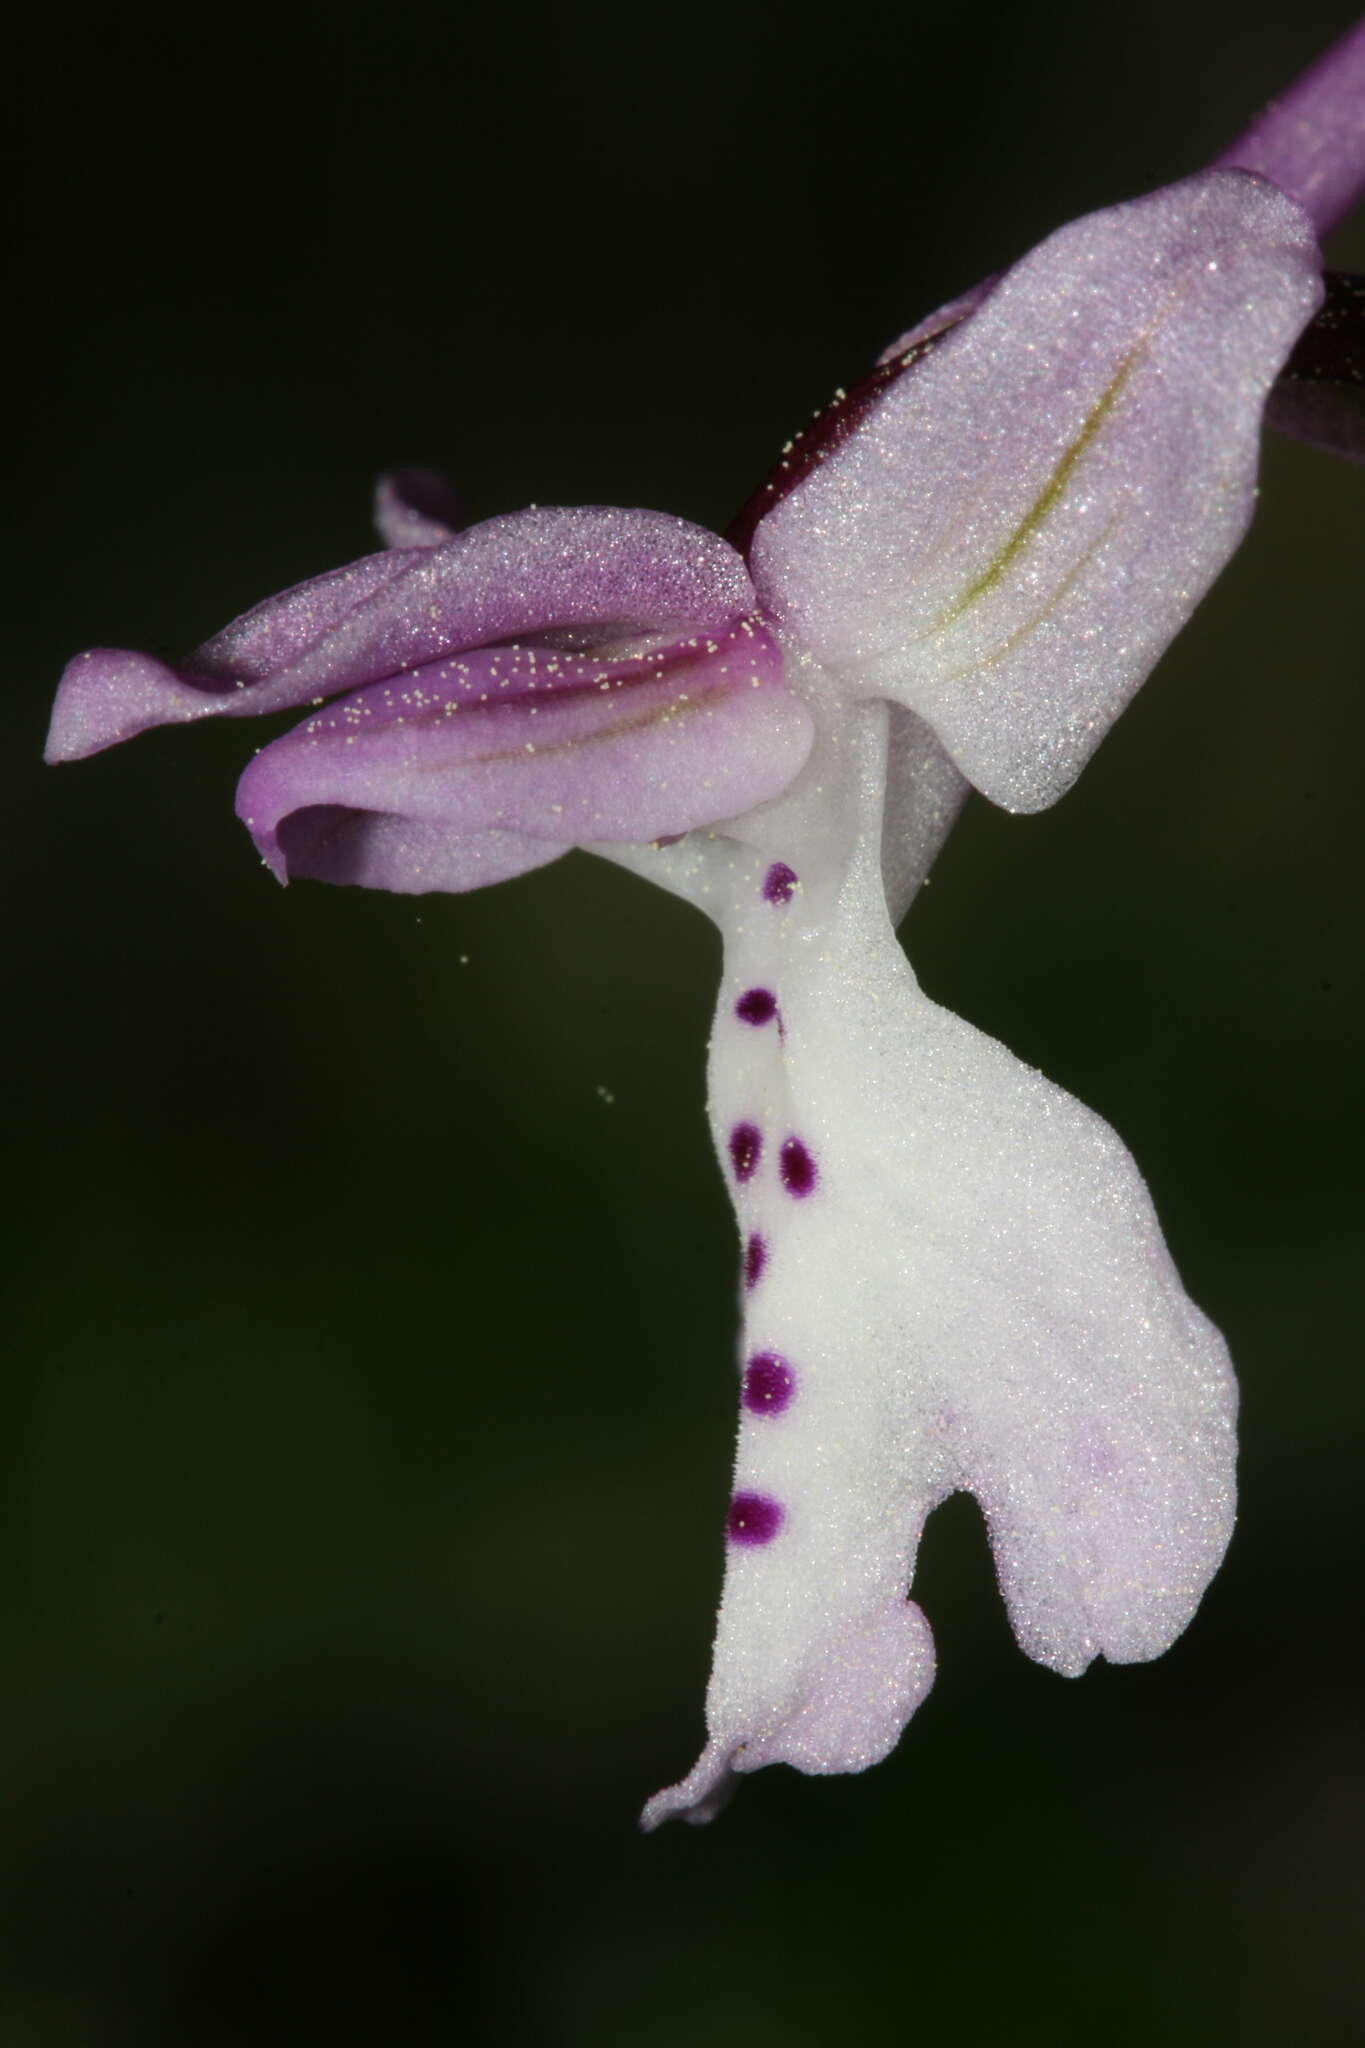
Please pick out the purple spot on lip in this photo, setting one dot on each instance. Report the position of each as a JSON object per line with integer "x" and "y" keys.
{"x": 769, "y": 1384}
{"x": 753, "y": 1518}
{"x": 755, "y": 1258}
{"x": 746, "y": 1143}
{"x": 797, "y": 1167}
{"x": 756, "y": 1006}
{"x": 779, "y": 883}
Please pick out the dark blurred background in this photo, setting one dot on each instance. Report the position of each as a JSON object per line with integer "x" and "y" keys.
{"x": 368, "y": 1426}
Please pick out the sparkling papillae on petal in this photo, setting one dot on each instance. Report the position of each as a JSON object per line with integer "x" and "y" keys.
{"x": 529, "y": 744}
{"x": 110, "y": 694}
{"x": 845, "y": 413}
{"x": 596, "y": 571}
{"x": 1023, "y": 521}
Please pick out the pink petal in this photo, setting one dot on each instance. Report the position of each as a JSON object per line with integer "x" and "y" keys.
{"x": 1020, "y": 525}
{"x": 408, "y": 856}
{"x": 843, "y": 416}
{"x": 110, "y": 694}
{"x": 525, "y": 744}
{"x": 592, "y": 569}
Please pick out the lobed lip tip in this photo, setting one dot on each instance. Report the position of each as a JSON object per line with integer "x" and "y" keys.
{"x": 706, "y": 1790}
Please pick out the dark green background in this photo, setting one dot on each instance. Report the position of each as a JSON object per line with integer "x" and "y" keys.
{"x": 368, "y": 1428}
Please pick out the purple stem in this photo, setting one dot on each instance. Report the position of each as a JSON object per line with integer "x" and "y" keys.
{"x": 1311, "y": 140}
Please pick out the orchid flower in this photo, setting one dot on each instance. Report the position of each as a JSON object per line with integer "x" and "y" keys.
{"x": 952, "y": 1276}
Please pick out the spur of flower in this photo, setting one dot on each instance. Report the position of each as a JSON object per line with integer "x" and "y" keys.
{"x": 952, "y": 1277}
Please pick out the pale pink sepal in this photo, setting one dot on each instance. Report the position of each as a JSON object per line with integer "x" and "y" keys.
{"x": 546, "y": 746}
{"x": 594, "y": 570}
{"x": 1024, "y": 520}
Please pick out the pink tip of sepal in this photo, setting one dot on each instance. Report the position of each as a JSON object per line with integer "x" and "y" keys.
{"x": 110, "y": 694}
